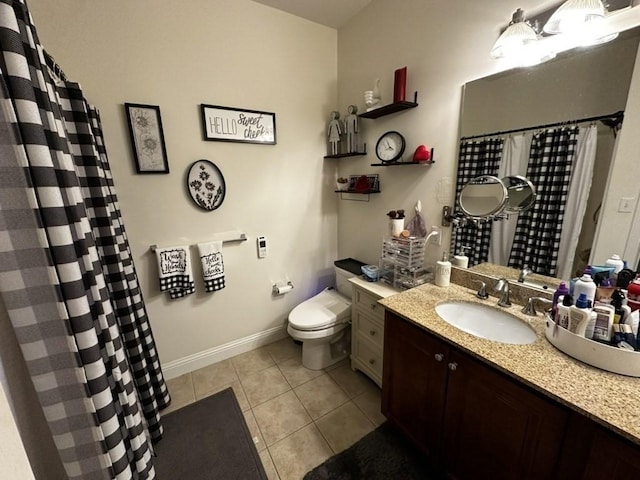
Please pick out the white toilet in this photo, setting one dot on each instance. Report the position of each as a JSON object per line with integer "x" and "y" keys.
{"x": 322, "y": 324}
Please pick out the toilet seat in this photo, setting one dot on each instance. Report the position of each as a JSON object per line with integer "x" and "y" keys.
{"x": 326, "y": 309}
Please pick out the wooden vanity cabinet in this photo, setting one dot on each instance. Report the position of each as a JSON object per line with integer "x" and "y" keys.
{"x": 473, "y": 420}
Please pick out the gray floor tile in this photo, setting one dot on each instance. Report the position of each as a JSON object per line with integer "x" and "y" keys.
{"x": 344, "y": 426}
{"x": 284, "y": 349}
{"x": 251, "y": 362}
{"x": 264, "y": 385}
{"x": 354, "y": 383}
{"x": 295, "y": 373}
{"x": 320, "y": 395}
{"x": 280, "y": 417}
{"x": 300, "y": 452}
{"x": 212, "y": 377}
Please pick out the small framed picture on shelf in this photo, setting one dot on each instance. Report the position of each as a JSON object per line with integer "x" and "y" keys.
{"x": 147, "y": 138}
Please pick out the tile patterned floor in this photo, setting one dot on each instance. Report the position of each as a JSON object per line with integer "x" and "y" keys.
{"x": 297, "y": 417}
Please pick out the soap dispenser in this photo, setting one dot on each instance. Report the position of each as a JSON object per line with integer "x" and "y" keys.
{"x": 443, "y": 271}
{"x": 461, "y": 260}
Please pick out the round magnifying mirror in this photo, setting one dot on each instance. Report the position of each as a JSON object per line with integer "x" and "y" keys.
{"x": 521, "y": 194}
{"x": 483, "y": 196}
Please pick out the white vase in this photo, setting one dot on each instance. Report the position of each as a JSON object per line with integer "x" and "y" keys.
{"x": 396, "y": 226}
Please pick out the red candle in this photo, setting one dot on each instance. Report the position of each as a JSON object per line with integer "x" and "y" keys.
{"x": 400, "y": 85}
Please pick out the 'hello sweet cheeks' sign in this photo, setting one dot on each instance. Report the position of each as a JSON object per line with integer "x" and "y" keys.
{"x": 237, "y": 125}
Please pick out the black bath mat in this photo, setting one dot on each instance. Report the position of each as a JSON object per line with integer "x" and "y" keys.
{"x": 381, "y": 455}
{"x": 208, "y": 440}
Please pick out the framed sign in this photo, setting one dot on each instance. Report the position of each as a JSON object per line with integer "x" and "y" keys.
{"x": 225, "y": 124}
{"x": 147, "y": 138}
{"x": 206, "y": 185}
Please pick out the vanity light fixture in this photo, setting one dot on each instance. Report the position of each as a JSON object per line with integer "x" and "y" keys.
{"x": 581, "y": 19}
{"x": 520, "y": 43}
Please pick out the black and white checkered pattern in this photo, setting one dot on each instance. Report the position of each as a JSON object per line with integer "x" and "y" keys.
{"x": 66, "y": 273}
{"x": 214, "y": 285}
{"x": 476, "y": 157}
{"x": 537, "y": 236}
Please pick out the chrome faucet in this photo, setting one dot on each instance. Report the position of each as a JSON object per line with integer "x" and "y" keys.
{"x": 523, "y": 274}
{"x": 502, "y": 286}
{"x": 530, "y": 308}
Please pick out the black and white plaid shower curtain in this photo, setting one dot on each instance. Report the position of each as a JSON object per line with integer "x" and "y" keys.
{"x": 537, "y": 236}
{"x": 67, "y": 278}
{"x": 476, "y": 157}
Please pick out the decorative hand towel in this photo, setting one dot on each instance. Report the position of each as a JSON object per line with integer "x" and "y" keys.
{"x": 212, "y": 265}
{"x": 174, "y": 268}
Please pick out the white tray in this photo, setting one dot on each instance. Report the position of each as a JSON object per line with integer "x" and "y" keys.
{"x": 612, "y": 359}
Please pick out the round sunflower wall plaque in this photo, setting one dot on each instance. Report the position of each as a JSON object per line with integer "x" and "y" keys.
{"x": 206, "y": 185}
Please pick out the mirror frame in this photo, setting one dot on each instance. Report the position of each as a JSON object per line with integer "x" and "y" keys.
{"x": 483, "y": 180}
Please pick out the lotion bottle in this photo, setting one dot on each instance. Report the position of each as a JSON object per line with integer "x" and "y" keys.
{"x": 579, "y": 315}
{"x": 604, "y": 322}
{"x": 443, "y": 271}
{"x": 562, "y": 314}
{"x": 616, "y": 262}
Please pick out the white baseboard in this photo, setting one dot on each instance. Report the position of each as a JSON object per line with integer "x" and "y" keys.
{"x": 217, "y": 354}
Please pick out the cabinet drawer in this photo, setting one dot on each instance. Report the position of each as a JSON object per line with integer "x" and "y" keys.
{"x": 368, "y": 303}
{"x": 364, "y": 325}
{"x": 369, "y": 355}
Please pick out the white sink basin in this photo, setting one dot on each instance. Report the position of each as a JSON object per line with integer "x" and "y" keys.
{"x": 486, "y": 322}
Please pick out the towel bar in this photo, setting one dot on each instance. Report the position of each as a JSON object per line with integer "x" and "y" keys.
{"x": 237, "y": 237}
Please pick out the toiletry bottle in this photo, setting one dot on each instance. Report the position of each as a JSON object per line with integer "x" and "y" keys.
{"x": 579, "y": 315}
{"x": 615, "y": 261}
{"x": 604, "y": 322}
{"x": 586, "y": 285}
{"x": 560, "y": 291}
{"x": 461, "y": 260}
{"x": 443, "y": 271}
{"x": 562, "y": 315}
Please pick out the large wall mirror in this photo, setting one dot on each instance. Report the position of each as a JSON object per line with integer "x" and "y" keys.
{"x": 579, "y": 84}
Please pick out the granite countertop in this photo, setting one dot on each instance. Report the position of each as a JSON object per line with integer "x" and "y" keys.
{"x": 610, "y": 399}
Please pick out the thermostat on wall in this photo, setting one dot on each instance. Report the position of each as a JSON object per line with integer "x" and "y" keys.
{"x": 262, "y": 246}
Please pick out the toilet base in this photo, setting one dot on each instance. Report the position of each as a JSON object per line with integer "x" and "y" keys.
{"x": 319, "y": 354}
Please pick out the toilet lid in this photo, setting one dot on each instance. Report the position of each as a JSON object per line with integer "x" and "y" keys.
{"x": 323, "y": 310}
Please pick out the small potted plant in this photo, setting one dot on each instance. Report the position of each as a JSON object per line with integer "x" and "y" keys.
{"x": 342, "y": 184}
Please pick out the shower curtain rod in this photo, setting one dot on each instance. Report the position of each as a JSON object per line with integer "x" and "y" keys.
{"x": 619, "y": 116}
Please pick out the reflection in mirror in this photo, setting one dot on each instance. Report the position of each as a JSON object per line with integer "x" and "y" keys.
{"x": 483, "y": 196}
{"x": 580, "y": 84}
{"x": 521, "y": 194}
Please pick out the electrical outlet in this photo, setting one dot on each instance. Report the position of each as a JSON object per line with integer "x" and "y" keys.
{"x": 436, "y": 239}
{"x": 626, "y": 204}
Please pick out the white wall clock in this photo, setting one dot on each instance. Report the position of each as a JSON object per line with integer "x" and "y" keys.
{"x": 390, "y": 147}
{"x": 206, "y": 185}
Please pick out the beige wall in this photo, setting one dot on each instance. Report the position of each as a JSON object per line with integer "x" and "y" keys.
{"x": 443, "y": 44}
{"x": 224, "y": 52}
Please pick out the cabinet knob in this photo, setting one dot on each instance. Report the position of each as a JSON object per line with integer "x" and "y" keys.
{"x": 372, "y": 332}
{"x": 439, "y": 357}
{"x": 372, "y": 361}
{"x": 453, "y": 366}
{"x": 373, "y": 306}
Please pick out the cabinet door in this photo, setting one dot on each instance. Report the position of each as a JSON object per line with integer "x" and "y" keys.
{"x": 612, "y": 457}
{"x": 497, "y": 429}
{"x": 414, "y": 382}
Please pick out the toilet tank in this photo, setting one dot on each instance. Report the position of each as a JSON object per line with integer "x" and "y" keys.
{"x": 345, "y": 269}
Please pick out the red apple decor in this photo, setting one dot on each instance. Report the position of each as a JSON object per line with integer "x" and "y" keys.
{"x": 422, "y": 155}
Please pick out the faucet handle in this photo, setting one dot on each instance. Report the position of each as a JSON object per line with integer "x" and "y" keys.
{"x": 482, "y": 292}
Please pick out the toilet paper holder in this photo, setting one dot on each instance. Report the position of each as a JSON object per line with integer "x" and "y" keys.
{"x": 281, "y": 289}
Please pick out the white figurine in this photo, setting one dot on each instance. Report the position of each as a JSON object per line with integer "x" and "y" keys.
{"x": 372, "y": 97}
{"x": 351, "y": 126}
{"x": 334, "y": 132}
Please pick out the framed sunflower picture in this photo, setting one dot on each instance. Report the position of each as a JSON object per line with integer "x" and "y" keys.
{"x": 147, "y": 138}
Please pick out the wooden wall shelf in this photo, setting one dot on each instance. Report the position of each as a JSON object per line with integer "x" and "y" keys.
{"x": 391, "y": 108}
